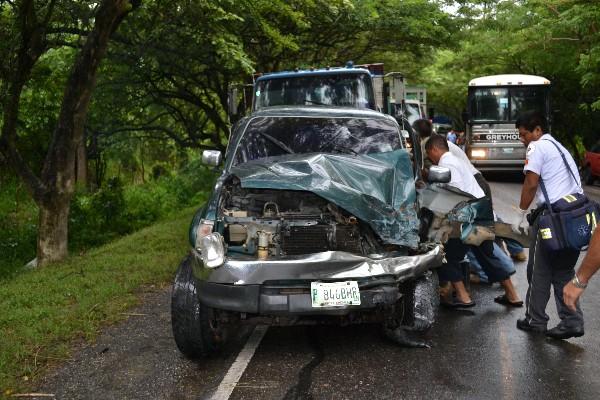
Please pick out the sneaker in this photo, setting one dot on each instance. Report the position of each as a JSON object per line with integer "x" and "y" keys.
{"x": 519, "y": 256}
{"x": 523, "y": 325}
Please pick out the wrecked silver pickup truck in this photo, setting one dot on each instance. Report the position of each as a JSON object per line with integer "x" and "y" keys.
{"x": 315, "y": 219}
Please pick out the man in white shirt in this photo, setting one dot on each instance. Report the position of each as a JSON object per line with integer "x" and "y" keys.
{"x": 437, "y": 149}
{"x": 545, "y": 269}
{"x": 424, "y": 128}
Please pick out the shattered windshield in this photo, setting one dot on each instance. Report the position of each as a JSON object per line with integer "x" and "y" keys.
{"x": 275, "y": 136}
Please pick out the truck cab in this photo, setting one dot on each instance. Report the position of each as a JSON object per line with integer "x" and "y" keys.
{"x": 358, "y": 87}
{"x": 341, "y": 87}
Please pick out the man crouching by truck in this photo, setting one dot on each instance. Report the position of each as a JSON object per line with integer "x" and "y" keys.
{"x": 462, "y": 179}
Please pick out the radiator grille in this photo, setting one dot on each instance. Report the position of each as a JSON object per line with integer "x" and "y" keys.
{"x": 316, "y": 238}
{"x": 305, "y": 239}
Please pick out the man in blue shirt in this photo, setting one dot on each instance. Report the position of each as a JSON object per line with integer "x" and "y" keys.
{"x": 546, "y": 269}
{"x": 451, "y": 136}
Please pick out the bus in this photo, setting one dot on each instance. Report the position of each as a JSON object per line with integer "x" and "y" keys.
{"x": 493, "y": 106}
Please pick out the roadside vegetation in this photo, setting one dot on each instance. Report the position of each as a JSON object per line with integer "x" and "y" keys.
{"x": 97, "y": 217}
{"x": 44, "y": 310}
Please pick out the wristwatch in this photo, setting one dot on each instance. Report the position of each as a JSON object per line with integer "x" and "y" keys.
{"x": 577, "y": 283}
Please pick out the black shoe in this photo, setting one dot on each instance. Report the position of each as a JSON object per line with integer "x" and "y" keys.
{"x": 564, "y": 332}
{"x": 523, "y": 325}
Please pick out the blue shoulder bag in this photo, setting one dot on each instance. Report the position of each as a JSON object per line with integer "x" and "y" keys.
{"x": 568, "y": 223}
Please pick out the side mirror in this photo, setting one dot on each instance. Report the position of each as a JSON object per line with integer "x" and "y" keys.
{"x": 439, "y": 174}
{"x": 211, "y": 157}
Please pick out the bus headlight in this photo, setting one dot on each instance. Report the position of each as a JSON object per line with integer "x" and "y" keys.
{"x": 478, "y": 153}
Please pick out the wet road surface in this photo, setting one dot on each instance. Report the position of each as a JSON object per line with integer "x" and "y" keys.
{"x": 475, "y": 354}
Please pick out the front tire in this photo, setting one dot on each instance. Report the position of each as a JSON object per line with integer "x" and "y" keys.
{"x": 196, "y": 329}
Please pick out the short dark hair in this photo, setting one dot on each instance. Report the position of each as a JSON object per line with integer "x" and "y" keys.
{"x": 423, "y": 127}
{"x": 437, "y": 141}
{"x": 530, "y": 119}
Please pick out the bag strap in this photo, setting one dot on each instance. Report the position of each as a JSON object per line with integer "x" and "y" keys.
{"x": 565, "y": 162}
{"x": 549, "y": 205}
{"x": 562, "y": 155}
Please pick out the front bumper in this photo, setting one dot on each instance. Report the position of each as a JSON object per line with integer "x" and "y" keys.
{"x": 281, "y": 286}
{"x": 498, "y": 165}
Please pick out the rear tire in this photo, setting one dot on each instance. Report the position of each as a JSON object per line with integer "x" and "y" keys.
{"x": 196, "y": 329}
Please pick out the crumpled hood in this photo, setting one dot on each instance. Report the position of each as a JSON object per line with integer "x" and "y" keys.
{"x": 377, "y": 188}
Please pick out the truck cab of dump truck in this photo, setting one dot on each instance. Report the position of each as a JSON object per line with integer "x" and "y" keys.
{"x": 351, "y": 86}
{"x": 493, "y": 106}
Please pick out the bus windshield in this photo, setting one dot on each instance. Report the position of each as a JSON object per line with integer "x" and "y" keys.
{"x": 505, "y": 104}
{"x": 344, "y": 89}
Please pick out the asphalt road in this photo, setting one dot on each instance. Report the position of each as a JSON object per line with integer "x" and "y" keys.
{"x": 475, "y": 354}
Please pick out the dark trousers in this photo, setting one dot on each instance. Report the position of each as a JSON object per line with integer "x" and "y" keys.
{"x": 545, "y": 269}
{"x": 455, "y": 252}
{"x": 493, "y": 264}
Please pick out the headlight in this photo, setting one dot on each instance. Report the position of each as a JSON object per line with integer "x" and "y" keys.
{"x": 203, "y": 229}
{"x": 477, "y": 153}
{"x": 212, "y": 250}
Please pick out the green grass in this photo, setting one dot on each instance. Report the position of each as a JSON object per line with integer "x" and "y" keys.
{"x": 44, "y": 310}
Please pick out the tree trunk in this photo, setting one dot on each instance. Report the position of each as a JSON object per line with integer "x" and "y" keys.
{"x": 53, "y": 232}
{"x": 82, "y": 167}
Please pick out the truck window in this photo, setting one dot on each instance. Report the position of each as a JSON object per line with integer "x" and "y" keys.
{"x": 346, "y": 89}
{"x": 413, "y": 112}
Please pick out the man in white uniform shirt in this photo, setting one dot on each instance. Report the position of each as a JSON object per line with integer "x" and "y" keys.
{"x": 546, "y": 269}
{"x": 425, "y": 130}
{"x": 461, "y": 178}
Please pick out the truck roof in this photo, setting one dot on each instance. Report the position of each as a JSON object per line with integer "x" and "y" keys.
{"x": 320, "y": 111}
{"x": 313, "y": 72}
{"x": 509, "y": 80}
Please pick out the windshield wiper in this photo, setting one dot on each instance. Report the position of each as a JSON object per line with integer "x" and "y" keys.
{"x": 315, "y": 102}
{"x": 276, "y": 142}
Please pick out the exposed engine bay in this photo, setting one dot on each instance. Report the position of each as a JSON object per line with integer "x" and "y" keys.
{"x": 273, "y": 223}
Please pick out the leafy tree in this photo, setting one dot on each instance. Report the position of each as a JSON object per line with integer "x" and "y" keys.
{"x": 558, "y": 39}
{"x": 29, "y": 30}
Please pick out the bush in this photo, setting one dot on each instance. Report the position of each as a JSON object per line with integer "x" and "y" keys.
{"x": 99, "y": 217}
{"x": 18, "y": 227}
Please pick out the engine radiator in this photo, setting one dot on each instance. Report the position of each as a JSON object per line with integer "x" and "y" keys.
{"x": 298, "y": 240}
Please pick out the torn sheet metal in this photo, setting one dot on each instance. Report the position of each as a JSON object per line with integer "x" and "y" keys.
{"x": 334, "y": 265}
{"x": 377, "y": 188}
{"x": 458, "y": 214}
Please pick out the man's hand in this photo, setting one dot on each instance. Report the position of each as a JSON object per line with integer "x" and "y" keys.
{"x": 571, "y": 294}
{"x": 520, "y": 225}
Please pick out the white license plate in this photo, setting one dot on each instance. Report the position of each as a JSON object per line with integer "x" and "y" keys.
{"x": 334, "y": 294}
{"x": 507, "y": 149}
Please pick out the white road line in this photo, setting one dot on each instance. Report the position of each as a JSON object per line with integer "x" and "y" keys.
{"x": 239, "y": 365}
